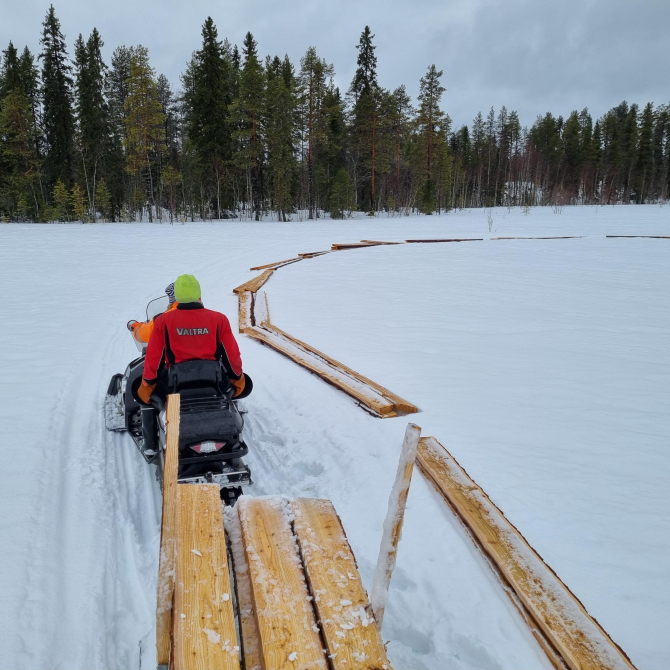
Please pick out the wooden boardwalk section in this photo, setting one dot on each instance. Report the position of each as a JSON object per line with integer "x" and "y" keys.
{"x": 254, "y": 321}
{"x": 568, "y": 634}
{"x": 292, "y": 584}
{"x": 301, "y": 543}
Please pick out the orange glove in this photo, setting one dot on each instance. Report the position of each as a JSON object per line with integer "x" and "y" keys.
{"x": 145, "y": 390}
{"x": 238, "y": 384}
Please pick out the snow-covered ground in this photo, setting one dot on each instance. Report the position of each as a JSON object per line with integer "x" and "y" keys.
{"x": 541, "y": 365}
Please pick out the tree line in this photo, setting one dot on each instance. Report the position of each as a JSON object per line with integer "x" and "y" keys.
{"x": 244, "y": 136}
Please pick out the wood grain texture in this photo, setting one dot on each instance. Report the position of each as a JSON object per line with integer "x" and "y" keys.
{"x": 251, "y": 648}
{"x": 244, "y": 300}
{"x": 254, "y": 284}
{"x": 374, "y": 402}
{"x": 399, "y": 403}
{"x": 166, "y": 564}
{"x": 353, "y": 641}
{"x": 287, "y": 627}
{"x": 579, "y": 640}
{"x": 204, "y": 634}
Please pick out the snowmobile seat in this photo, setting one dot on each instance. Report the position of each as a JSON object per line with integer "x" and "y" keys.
{"x": 198, "y": 374}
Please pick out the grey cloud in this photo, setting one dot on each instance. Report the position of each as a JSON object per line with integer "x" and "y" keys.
{"x": 530, "y": 55}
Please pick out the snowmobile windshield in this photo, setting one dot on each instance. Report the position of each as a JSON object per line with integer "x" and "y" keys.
{"x": 157, "y": 306}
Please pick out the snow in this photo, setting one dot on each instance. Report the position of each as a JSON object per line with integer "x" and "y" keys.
{"x": 541, "y": 365}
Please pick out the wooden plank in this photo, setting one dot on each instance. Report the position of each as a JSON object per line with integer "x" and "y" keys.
{"x": 395, "y": 515}
{"x": 353, "y": 640}
{"x": 261, "y": 309}
{"x": 465, "y": 239}
{"x": 373, "y": 403}
{"x": 564, "y": 237}
{"x": 166, "y": 563}
{"x": 204, "y": 634}
{"x": 276, "y": 264}
{"x": 251, "y": 648}
{"x": 578, "y": 638}
{"x": 244, "y": 299}
{"x": 284, "y": 614}
{"x": 651, "y": 237}
{"x": 313, "y": 254}
{"x": 399, "y": 403}
{"x": 380, "y": 242}
{"x": 353, "y": 245}
{"x": 254, "y": 284}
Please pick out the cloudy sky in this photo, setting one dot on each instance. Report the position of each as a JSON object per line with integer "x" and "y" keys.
{"x": 530, "y": 55}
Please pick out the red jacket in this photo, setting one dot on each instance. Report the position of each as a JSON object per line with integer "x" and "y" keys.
{"x": 187, "y": 333}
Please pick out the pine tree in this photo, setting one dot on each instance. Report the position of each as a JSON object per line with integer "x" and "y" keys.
{"x": 145, "y": 129}
{"x": 432, "y": 129}
{"x": 248, "y": 114}
{"x": 57, "y": 115}
{"x": 19, "y": 179}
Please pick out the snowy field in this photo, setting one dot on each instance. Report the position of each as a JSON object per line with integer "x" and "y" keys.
{"x": 541, "y": 365}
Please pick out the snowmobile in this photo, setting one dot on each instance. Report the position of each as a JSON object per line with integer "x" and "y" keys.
{"x": 211, "y": 444}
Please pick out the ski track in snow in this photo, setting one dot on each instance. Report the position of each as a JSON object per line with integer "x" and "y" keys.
{"x": 80, "y": 510}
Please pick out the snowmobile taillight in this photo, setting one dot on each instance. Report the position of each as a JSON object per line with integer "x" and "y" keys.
{"x": 207, "y": 447}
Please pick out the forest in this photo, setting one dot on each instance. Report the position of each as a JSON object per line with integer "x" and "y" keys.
{"x": 249, "y": 137}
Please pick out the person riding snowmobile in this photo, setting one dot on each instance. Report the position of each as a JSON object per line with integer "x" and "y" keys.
{"x": 142, "y": 330}
{"x": 189, "y": 332}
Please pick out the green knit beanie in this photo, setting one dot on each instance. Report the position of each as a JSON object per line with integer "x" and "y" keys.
{"x": 187, "y": 289}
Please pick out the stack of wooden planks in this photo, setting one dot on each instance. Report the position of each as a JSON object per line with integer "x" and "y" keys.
{"x": 293, "y": 583}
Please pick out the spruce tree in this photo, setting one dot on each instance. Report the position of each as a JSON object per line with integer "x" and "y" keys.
{"x": 93, "y": 122}
{"x": 208, "y": 95}
{"x": 645, "y": 155}
{"x": 248, "y": 114}
{"x": 342, "y": 200}
{"x": 57, "y": 117}
{"x": 280, "y": 107}
{"x": 314, "y": 78}
{"x": 116, "y": 93}
{"x": 10, "y": 75}
{"x": 364, "y": 122}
